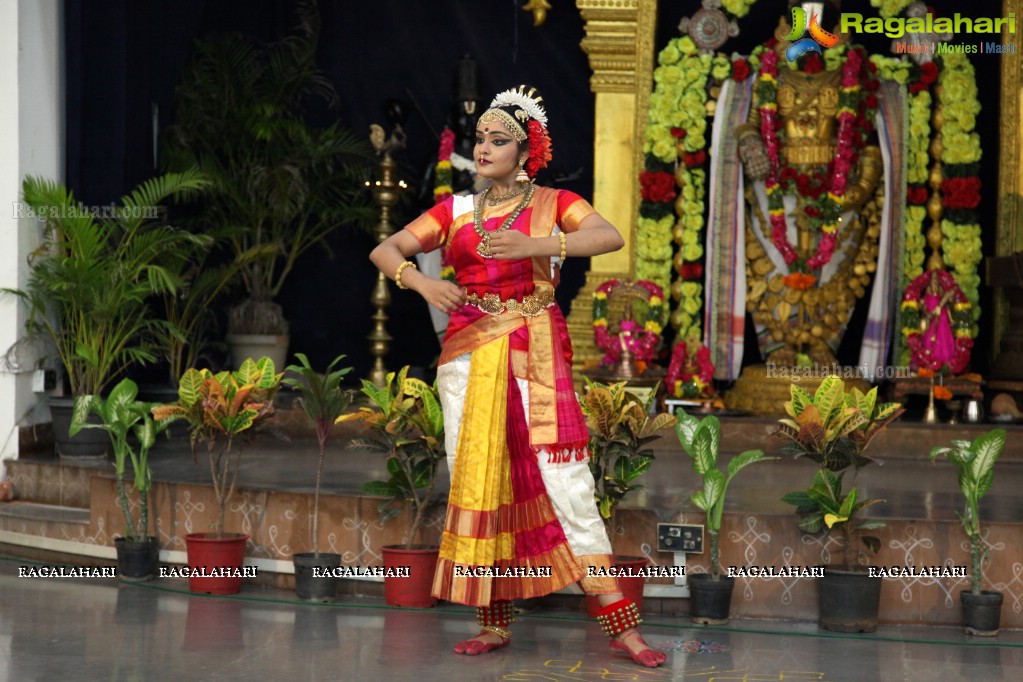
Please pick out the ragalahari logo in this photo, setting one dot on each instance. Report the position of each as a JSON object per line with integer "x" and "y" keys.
{"x": 817, "y": 39}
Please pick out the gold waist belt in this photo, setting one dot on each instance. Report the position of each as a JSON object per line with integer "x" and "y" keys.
{"x": 529, "y": 306}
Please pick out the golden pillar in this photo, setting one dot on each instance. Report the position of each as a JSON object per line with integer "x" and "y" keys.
{"x": 620, "y": 45}
{"x": 1009, "y": 234}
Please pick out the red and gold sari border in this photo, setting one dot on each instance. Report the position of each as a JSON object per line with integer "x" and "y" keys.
{"x": 507, "y": 579}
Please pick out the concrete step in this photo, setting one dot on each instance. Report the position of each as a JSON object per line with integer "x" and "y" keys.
{"x": 53, "y": 482}
{"x": 52, "y": 513}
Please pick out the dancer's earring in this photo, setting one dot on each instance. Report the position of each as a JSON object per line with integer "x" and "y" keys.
{"x": 522, "y": 175}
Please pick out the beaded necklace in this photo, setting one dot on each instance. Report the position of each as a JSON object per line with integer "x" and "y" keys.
{"x": 498, "y": 198}
{"x": 477, "y": 220}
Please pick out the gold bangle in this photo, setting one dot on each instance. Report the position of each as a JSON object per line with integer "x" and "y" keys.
{"x": 397, "y": 274}
{"x": 564, "y": 247}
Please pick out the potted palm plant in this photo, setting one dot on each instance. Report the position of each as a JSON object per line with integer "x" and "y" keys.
{"x": 975, "y": 463}
{"x": 279, "y": 185}
{"x": 621, "y": 427}
{"x": 322, "y": 400}
{"x": 90, "y": 283}
{"x": 711, "y": 593}
{"x": 833, "y": 427}
{"x": 219, "y": 409}
{"x": 406, "y": 426}
{"x": 132, "y": 432}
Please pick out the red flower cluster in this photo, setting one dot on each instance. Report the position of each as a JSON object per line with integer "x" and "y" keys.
{"x": 916, "y": 195}
{"x": 960, "y": 192}
{"x": 740, "y": 70}
{"x": 678, "y": 133}
{"x": 539, "y": 148}
{"x": 693, "y": 159}
{"x": 927, "y": 75}
{"x": 813, "y": 64}
{"x": 657, "y": 186}
{"x": 691, "y": 271}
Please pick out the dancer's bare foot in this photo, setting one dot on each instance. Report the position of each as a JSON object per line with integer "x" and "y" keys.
{"x": 631, "y": 642}
{"x": 485, "y": 641}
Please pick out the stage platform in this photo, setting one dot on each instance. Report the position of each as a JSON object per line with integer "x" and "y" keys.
{"x": 97, "y": 630}
{"x": 67, "y": 510}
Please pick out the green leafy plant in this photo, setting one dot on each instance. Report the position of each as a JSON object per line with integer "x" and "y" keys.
{"x": 620, "y": 428}
{"x": 91, "y": 281}
{"x": 323, "y": 401}
{"x": 833, "y": 427}
{"x": 219, "y": 408}
{"x": 700, "y": 439}
{"x": 279, "y": 186}
{"x": 407, "y": 426}
{"x": 132, "y": 432}
{"x": 190, "y": 309}
{"x": 975, "y": 462}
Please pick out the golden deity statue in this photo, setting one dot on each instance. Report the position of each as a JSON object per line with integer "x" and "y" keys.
{"x": 814, "y": 220}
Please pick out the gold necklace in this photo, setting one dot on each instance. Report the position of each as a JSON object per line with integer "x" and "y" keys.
{"x": 477, "y": 220}
{"x": 498, "y": 198}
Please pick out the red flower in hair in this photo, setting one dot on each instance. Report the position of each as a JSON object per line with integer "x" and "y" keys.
{"x": 678, "y": 133}
{"x": 539, "y": 148}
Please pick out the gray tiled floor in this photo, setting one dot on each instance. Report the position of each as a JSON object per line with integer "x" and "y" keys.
{"x": 75, "y": 629}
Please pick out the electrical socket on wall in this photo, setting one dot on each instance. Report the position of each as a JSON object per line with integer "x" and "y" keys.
{"x": 680, "y": 537}
{"x": 44, "y": 380}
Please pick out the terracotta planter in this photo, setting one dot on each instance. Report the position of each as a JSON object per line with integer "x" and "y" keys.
{"x": 413, "y": 591}
{"x": 631, "y": 586}
{"x": 215, "y": 552}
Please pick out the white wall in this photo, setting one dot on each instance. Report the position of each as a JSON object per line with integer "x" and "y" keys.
{"x": 31, "y": 143}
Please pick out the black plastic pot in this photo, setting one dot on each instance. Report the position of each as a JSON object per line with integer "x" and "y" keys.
{"x": 982, "y": 612}
{"x": 311, "y": 587}
{"x": 88, "y": 444}
{"x": 848, "y": 601}
{"x": 137, "y": 561}
{"x": 709, "y": 600}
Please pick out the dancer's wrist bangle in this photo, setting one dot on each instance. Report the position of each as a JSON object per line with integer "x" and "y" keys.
{"x": 401, "y": 268}
{"x": 564, "y": 246}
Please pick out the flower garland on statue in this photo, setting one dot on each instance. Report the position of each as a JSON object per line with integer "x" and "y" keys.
{"x": 960, "y": 187}
{"x": 443, "y": 186}
{"x": 826, "y": 188}
{"x": 690, "y": 372}
{"x": 442, "y": 174}
{"x": 961, "y": 321}
{"x": 644, "y": 330}
{"x": 919, "y": 79}
{"x": 673, "y": 184}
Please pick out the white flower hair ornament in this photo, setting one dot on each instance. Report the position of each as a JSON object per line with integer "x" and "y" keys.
{"x": 524, "y": 99}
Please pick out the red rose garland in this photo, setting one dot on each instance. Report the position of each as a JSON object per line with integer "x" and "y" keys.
{"x": 827, "y": 187}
